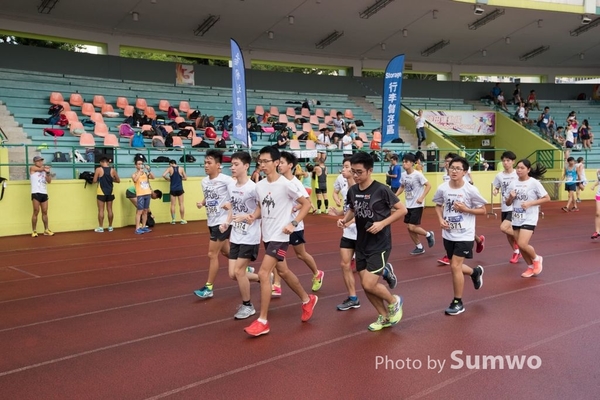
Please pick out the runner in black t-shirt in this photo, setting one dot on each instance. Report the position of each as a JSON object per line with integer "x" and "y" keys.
{"x": 370, "y": 204}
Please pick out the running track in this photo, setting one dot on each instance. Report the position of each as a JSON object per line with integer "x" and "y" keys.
{"x": 112, "y": 316}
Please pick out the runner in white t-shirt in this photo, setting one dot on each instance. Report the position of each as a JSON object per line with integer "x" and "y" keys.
{"x": 415, "y": 187}
{"x": 277, "y": 196}
{"x": 323, "y": 141}
{"x": 525, "y": 195}
{"x": 39, "y": 176}
{"x": 287, "y": 164}
{"x": 245, "y": 238}
{"x": 216, "y": 194}
{"x": 348, "y": 241}
{"x": 479, "y": 239}
{"x": 457, "y": 204}
{"x": 501, "y": 183}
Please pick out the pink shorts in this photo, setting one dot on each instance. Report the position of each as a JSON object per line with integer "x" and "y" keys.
{"x": 597, "y": 198}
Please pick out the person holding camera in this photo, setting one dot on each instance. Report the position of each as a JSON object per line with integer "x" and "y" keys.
{"x": 141, "y": 178}
{"x": 39, "y": 176}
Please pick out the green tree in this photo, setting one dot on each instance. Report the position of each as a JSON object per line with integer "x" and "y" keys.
{"x": 48, "y": 44}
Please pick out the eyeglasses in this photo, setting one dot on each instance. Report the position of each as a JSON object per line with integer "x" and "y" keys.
{"x": 455, "y": 169}
{"x": 357, "y": 172}
{"x": 263, "y": 162}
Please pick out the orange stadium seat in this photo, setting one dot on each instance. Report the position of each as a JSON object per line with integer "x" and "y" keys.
{"x": 76, "y": 100}
{"x": 87, "y": 140}
{"x": 71, "y": 116}
{"x": 177, "y": 142}
{"x": 184, "y": 106}
{"x": 259, "y": 110}
{"x": 111, "y": 140}
{"x": 141, "y": 104}
{"x": 56, "y": 98}
{"x": 87, "y": 109}
{"x": 99, "y": 101}
{"x": 101, "y": 129}
{"x": 122, "y": 103}
{"x": 97, "y": 118}
{"x": 274, "y": 110}
{"x": 128, "y": 111}
{"x": 349, "y": 114}
{"x": 150, "y": 113}
{"x": 163, "y": 105}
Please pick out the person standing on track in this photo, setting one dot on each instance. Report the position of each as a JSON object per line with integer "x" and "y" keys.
{"x": 143, "y": 192}
{"x": 105, "y": 175}
{"x": 176, "y": 175}
{"x": 596, "y": 233}
{"x": 39, "y": 177}
{"x": 320, "y": 174}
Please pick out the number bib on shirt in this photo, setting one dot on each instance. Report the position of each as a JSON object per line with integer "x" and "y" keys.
{"x": 240, "y": 227}
{"x": 212, "y": 207}
{"x": 408, "y": 195}
{"x": 145, "y": 185}
{"x": 456, "y": 223}
{"x": 518, "y": 214}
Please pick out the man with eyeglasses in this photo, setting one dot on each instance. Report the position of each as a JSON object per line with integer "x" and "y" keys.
{"x": 456, "y": 205}
{"x": 370, "y": 205}
{"x": 277, "y": 196}
{"x": 479, "y": 239}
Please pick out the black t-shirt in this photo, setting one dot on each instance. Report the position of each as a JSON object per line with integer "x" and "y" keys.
{"x": 371, "y": 205}
{"x": 279, "y": 139}
{"x": 221, "y": 144}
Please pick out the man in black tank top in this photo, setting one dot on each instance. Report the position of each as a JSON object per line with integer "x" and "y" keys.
{"x": 105, "y": 176}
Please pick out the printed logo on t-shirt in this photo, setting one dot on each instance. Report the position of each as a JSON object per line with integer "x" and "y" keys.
{"x": 268, "y": 202}
{"x": 238, "y": 206}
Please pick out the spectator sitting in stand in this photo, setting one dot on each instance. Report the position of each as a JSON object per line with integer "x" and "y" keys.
{"x": 282, "y": 139}
{"x": 501, "y": 101}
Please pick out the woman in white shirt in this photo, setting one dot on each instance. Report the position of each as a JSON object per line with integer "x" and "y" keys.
{"x": 525, "y": 195}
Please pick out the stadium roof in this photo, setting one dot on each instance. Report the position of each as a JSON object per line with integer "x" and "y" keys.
{"x": 250, "y": 21}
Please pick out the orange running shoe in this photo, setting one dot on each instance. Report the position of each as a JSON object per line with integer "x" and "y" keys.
{"x": 528, "y": 273}
{"x": 257, "y": 328}
{"x": 537, "y": 266}
{"x": 515, "y": 258}
{"x": 307, "y": 309}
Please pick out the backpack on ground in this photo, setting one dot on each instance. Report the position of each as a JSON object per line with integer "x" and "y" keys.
{"x": 195, "y": 114}
{"x": 40, "y": 121}
{"x": 172, "y": 112}
{"x": 138, "y": 140}
{"x": 88, "y": 177}
{"x": 161, "y": 159}
{"x": 169, "y": 141}
{"x": 156, "y": 142}
{"x": 62, "y": 120}
{"x": 150, "y": 220}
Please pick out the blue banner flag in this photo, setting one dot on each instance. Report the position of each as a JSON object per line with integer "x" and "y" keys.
{"x": 238, "y": 92}
{"x": 392, "y": 89}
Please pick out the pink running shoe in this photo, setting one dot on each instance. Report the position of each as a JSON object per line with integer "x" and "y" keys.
{"x": 480, "y": 244}
{"x": 444, "y": 260}
{"x": 515, "y": 258}
{"x": 528, "y": 273}
{"x": 537, "y": 266}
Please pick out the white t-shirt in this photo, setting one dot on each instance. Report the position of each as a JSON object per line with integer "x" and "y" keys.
{"x": 420, "y": 121}
{"x": 582, "y": 173}
{"x": 462, "y": 225}
{"x": 347, "y": 144}
{"x": 216, "y": 195}
{"x": 300, "y": 187}
{"x": 338, "y": 125}
{"x": 502, "y": 181}
{"x": 528, "y": 190}
{"x": 38, "y": 182}
{"x": 339, "y": 184}
{"x": 350, "y": 232}
{"x": 276, "y": 202}
{"x": 323, "y": 137}
{"x": 413, "y": 188}
{"x": 244, "y": 201}
{"x": 598, "y": 178}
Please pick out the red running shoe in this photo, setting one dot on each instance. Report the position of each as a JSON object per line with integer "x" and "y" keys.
{"x": 537, "y": 266}
{"x": 480, "y": 244}
{"x": 444, "y": 260}
{"x": 596, "y": 235}
{"x": 307, "y": 309}
{"x": 515, "y": 258}
{"x": 257, "y": 328}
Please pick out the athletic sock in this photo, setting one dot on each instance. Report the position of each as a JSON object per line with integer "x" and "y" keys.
{"x": 458, "y": 299}
{"x": 428, "y": 234}
{"x": 517, "y": 251}
{"x": 247, "y": 303}
{"x": 319, "y": 204}
{"x": 353, "y": 298}
{"x": 537, "y": 258}
{"x": 262, "y": 321}
{"x": 209, "y": 286}
{"x": 419, "y": 246}
{"x": 326, "y": 204}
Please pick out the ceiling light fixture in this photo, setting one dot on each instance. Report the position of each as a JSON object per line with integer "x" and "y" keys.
{"x": 581, "y": 56}
{"x": 291, "y": 19}
{"x": 46, "y": 6}
{"x": 374, "y": 9}
{"x": 585, "y": 28}
{"x": 484, "y": 53}
{"x": 135, "y": 16}
{"x": 487, "y": 19}
{"x": 585, "y": 20}
{"x": 436, "y": 47}
{"x": 335, "y": 35}
{"x": 382, "y": 46}
{"x": 270, "y": 34}
{"x": 434, "y": 14}
{"x": 539, "y": 22}
{"x": 208, "y": 23}
{"x": 507, "y": 40}
{"x": 534, "y": 53}
{"x": 405, "y": 32}
{"x": 478, "y": 10}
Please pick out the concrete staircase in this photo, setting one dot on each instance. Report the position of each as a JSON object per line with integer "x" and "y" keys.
{"x": 16, "y": 136}
{"x": 408, "y": 137}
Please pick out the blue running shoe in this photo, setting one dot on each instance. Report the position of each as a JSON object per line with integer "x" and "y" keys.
{"x": 204, "y": 292}
{"x": 139, "y": 231}
{"x": 146, "y": 229}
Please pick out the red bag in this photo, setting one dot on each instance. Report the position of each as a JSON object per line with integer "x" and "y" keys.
{"x": 54, "y": 132}
{"x": 375, "y": 145}
{"x": 210, "y": 133}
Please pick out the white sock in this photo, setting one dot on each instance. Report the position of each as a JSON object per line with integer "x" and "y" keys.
{"x": 262, "y": 321}
{"x": 419, "y": 246}
{"x": 537, "y": 258}
{"x": 428, "y": 234}
{"x": 517, "y": 251}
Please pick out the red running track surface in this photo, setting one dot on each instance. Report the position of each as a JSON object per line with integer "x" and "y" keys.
{"x": 112, "y": 316}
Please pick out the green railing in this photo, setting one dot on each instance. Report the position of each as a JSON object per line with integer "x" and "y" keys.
{"x": 436, "y": 129}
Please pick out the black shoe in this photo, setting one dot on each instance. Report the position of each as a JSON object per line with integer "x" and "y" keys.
{"x": 455, "y": 308}
{"x": 477, "y": 277}
{"x": 430, "y": 239}
{"x": 348, "y": 304}
{"x": 390, "y": 277}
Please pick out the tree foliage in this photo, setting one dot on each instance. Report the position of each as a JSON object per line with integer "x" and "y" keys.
{"x": 48, "y": 44}
{"x": 295, "y": 70}
{"x": 156, "y": 56}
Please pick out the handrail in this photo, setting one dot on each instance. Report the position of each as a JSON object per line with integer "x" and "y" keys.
{"x": 440, "y": 132}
